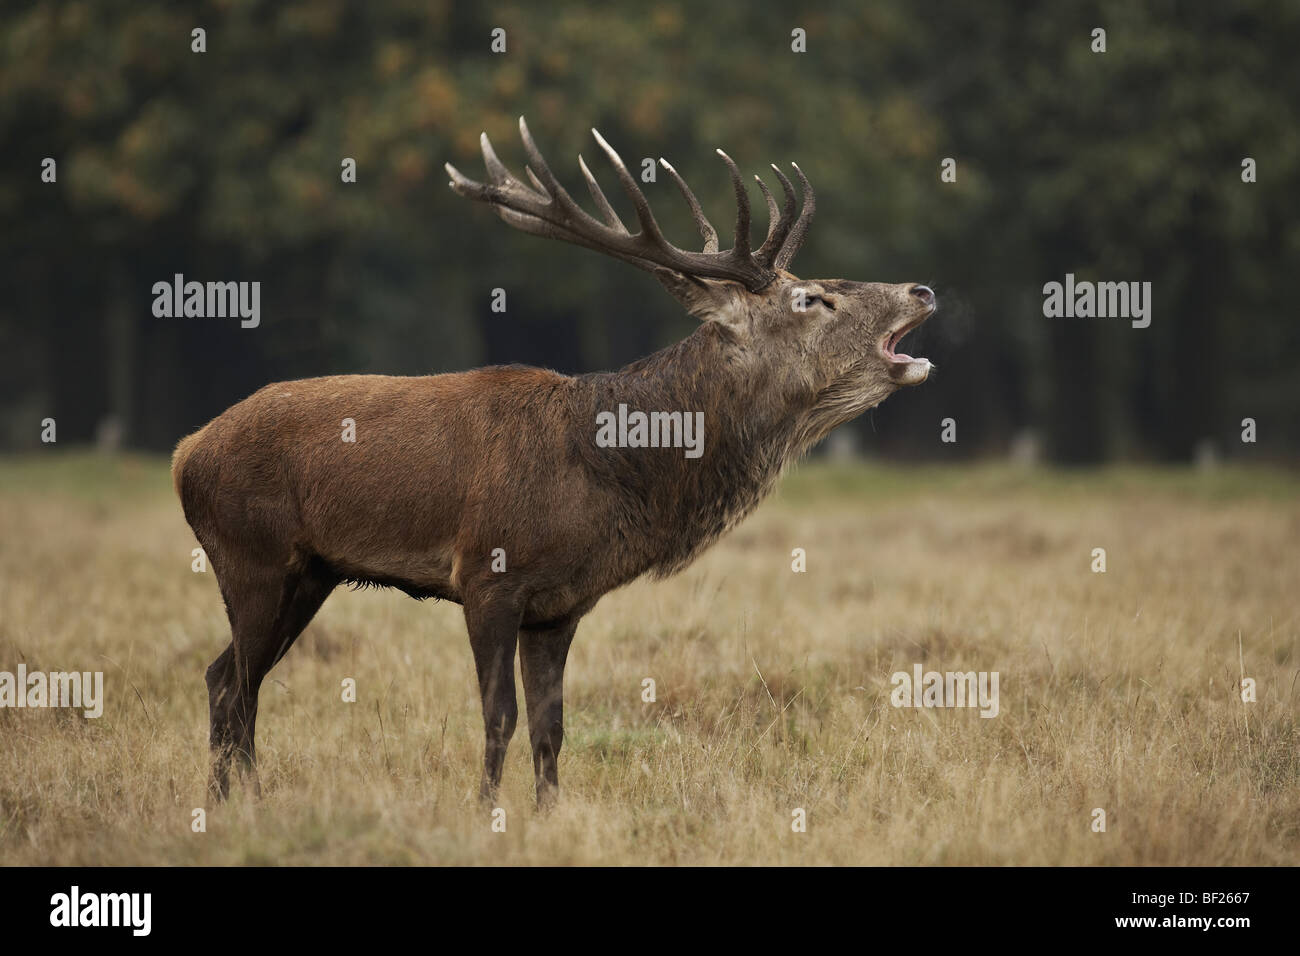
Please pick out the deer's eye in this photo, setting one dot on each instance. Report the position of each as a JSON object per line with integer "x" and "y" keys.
{"x": 804, "y": 301}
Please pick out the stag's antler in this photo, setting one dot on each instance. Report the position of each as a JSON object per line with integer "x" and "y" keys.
{"x": 546, "y": 209}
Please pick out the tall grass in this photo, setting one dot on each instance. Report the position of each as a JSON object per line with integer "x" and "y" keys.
{"x": 1119, "y": 691}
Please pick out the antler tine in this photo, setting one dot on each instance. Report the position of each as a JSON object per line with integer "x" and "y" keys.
{"x": 707, "y": 232}
{"x": 643, "y": 214}
{"x": 496, "y": 169}
{"x": 532, "y": 178}
{"x": 741, "y": 246}
{"x": 779, "y": 228}
{"x": 794, "y": 240}
{"x": 551, "y": 187}
{"x": 598, "y": 195}
{"x": 773, "y": 215}
{"x": 463, "y": 184}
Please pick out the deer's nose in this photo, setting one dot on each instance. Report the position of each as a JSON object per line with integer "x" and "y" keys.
{"x": 924, "y": 293}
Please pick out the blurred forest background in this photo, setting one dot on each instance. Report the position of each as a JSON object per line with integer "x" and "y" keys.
{"x": 225, "y": 166}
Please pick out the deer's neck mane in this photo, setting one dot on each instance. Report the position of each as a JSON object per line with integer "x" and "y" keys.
{"x": 678, "y": 505}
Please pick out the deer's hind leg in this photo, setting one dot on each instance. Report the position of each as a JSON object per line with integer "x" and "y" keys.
{"x": 269, "y": 603}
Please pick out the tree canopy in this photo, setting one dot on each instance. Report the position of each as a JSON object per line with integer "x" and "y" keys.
{"x": 1123, "y": 165}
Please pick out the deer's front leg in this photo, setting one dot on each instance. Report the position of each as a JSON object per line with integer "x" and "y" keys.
{"x": 542, "y": 654}
{"x": 493, "y": 634}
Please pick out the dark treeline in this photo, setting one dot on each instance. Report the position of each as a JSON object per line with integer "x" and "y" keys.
{"x": 225, "y": 166}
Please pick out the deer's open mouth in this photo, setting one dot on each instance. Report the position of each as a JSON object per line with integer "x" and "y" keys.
{"x": 889, "y": 348}
{"x": 902, "y": 368}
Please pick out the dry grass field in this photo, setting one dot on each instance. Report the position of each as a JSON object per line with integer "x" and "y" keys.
{"x": 1118, "y": 690}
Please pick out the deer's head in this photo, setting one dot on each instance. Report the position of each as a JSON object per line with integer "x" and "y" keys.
{"x": 830, "y": 344}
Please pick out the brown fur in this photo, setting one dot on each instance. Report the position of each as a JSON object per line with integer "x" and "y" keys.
{"x": 447, "y": 468}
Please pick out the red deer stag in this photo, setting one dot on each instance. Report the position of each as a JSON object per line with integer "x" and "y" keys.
{"x": 453, "y": 477}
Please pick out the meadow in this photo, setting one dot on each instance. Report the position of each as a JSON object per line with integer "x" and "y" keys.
{"x": 1119, "y": 691}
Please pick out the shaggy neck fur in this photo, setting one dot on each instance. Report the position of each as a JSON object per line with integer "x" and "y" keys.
{"x": 753, "y": 427}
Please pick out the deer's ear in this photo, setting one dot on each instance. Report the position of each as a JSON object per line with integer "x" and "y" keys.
{"x": 706, "y": 299}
